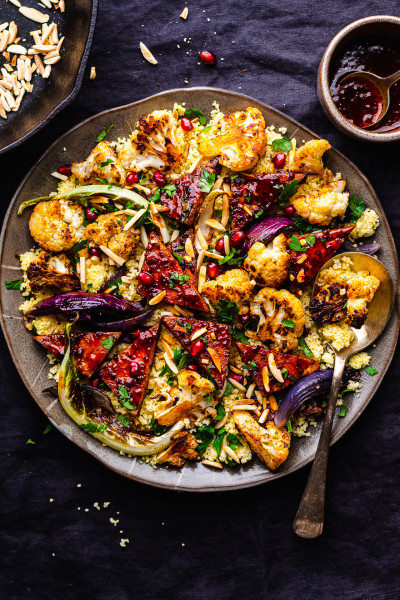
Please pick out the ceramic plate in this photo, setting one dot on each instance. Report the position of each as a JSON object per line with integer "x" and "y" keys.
{"x": 50, "y": 96}
{"x": 31, "y": 361}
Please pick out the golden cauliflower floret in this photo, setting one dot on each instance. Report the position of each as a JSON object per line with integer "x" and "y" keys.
{"x": 321, "y": 208}
{"x": 308, "y": 158}
{"x": 269, "y": 443}
{"x": 52, "y": 271}
{"x": 108, "y": 231}
{"x": 366, "y": 225}
{"x": 56, "y": 225}
{"x": 193, "y": 399}
{"x": 269, "y": 265}
{"x": 154, "y": 144}
{"x": 281, "y": 315}
{"x": 102, "y": 163}
{"x": 234, "y": 286}
{"x": 241, "y": 141}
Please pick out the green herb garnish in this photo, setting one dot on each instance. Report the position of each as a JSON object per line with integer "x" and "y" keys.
{"x": 122, "y": 419}
{"x": 226, "y": 310}
{"x": 104, "y": 164}
{"x": 233, "y": 441}
{"x": 47, "y": 429}
{"x": 220, "y": 412}
{"x": 289, "y": 426}
{"x": 207, "y": 181}
{"x": 356, "y": 207}
{"x": 371, "y": 370}
{"x": 310, "y": 239}
{"x": 103, "y": 134}
{"x": 219, "y": 438}
{"x": 304, "y": 346}
{"x": 107, "y": 343}
{"x": 204, "y": 436}
{"x": 157, "y": 429}
{"x": 287, "y": 191}
{"x": 294, "y": 244}
{"x": 177, "y": 278}
{"x": 193, "y": 113}
{"x": 124, "y": 397}
{"x": 288, "y": 323}
{"x": 13, "y": 285}
{"x": 303, "y": 225}
{"x": 282, "y": 144}
{"x": 170, "y": 190}
{"x": 29, "y": 441}
{"x": 78, "y": 246}
{"x": 93, "y": 427}
{"x": 343, "y": 410}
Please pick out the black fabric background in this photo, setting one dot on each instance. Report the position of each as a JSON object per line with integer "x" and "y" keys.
{"x": 227, "y": 545}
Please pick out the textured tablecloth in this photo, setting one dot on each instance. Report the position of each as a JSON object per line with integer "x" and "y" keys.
{"x": 54, "y": 542}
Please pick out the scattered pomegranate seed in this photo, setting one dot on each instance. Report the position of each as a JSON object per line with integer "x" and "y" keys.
{"x": 145, "y": 278}
{"x": 134, "y": 368}
{"x": 186, "y": 124}
{"x": 237, "y": 238}
{"x": 193, "y": 367}
{"x": 197, "y": 347}
{"x": 279, "y": 160}
{"x": 213, "y": 270}
{"x": 289, "y": 210}
{"x": 96, "y": 382}
{"x": 95, "y": 252}
{"x": 65, "y": 170}
{"x": 220, "y": 246}
{"x": 131, "y": 178}
{"x": 236, "y": 377}
{"x": 245, "y": 318}
{"x": 90, "y": 214}
{"x": 159, "y": 179}
{"x": 208, "y": 58}
{"x": 134, "y": 334}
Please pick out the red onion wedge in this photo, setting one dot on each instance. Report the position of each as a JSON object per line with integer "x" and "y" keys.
{"x": 266, "y": 229}
{"x": 71, "y": 302}
{"x": 371, "y": 248}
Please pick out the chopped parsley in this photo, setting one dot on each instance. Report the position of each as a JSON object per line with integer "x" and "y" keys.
{"x": 259, "y": 213}
{"x": 206, "y": 128}
{"x": 47, "y": 429}
{"x": 178, "y": 258}
{"x": 310, "y": 239}
{"x": 104, "y": 164}
{"x": 288, "y": 323}
{"x": 219, "y": 438}
{"x": 247, "y": 198}
{"x": 143, "y": 178}
{"x": 228, "y": 388}
{"x": 124, "y": 397}
{"x": 343, "y": 410}
{"x": 177, "y": 278}
{"x": 170, "y": 190}
{"x": 107, "y": 343}
{"x": 103, "y": 134}
{"x": 303, "y": 225}
{"x": 304, "y": 346}
{"x": 294, "y": 244}
{"x": 93, "y": 427}
{"x": 289, "y": 426}
{"x": 181, "y": 359}
{"x": 204, "y": 435}
{"x": 157, "y": 429}
{"x": 207, "y": 181}
{"x": 13, "y": 285}
{"x": 282, "y": 144}
{"x": 226, "y": 310}
{"x": 356, "y": 207}
{"x": 284, "y": 373}
{"x": 122, "y": 419}
{"x": 252, "y": 364}
{"x": 287, "y": 191}
{"x": 371, "y": 370}
{"x": 232, "y": 259}
{"x": 29, "y": 441}
{"x": 156, "y": 196}
{"x": 238, "y": 334}
{"x": 168, "y": 372}
{"x": 102, "y": 181}
{"x": 78, "y": 246}
{"x": 195, "y": 113}
{"x": 220, "y": 412}
{"x": 233, "y": 441}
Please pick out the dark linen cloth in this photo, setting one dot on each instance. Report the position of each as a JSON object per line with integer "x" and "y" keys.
{"x": 217, "y": 546}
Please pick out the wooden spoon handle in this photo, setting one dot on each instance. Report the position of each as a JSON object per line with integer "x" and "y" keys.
{"x": 309, "y": 520}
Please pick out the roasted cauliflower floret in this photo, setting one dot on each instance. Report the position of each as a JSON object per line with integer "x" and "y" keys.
{"x": 108, "y": 231}
{"x": 102, "y": 163}
{"x": 274, "y": 307}
{"x": 57, "y": 225}
{"x": 308, "y": 158}
{"x": 193, "y": 394}
{"x": 269, "y": 265}
{"x": 54, "y": 271}
{"x": 361, "y": 287}
{"x": 184, "y": 446}
{"x": 269, "y": 443}
{"x": 241, "y": 141}
{"x": 154, "y": 144}
{"x": 321, "y": 208}
{"x": 234, "y": 286}
{"x": 328, "y": 305}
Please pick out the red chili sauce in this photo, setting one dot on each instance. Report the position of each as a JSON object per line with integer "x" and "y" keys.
{"x": 358, "y": 100}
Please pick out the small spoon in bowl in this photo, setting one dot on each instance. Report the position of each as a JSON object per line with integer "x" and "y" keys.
{"x": 309, "y": 520}
{"x": 382, "y": 84}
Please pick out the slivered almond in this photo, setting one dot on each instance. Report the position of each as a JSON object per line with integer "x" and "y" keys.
{"x": 141, "y": 261}
{"x": 12, "y": 32}
{"x": 16, "y": 3}
{"x": 272, "y": 402}
{"x": 171, "y": 309}
{"x": 195, "y": 164}
{"x": 184, "y": 13}
{"x": 39, "y": 65}
{"x": 232, "y": 453}
{"x": 213, "y": 336}
{"x": 147, "y": 54}
{"x": 215, "y": 358}
{"x": 143, "y": 237}
{"x": 47, "y": 71}
{"x": 202, "y": 278}
{"x": 168, "y": 338}
{"x": 132, "y": 221}
{"x": 236, "y": 384}
{"x": 202, "y": 240}
{"x": 213, "y": 255}
{"x": 33, "y": 14}
{"x": 44, "y": 47}
{"x": 167, "y": 348}
{"x": 3, "y": 113}
{"x": 120, "y": 261}
{"x": 3, "y": 40}
{"x": 265, "y": 378}
{"x": 235, "y": 370}
{"x": 301, "y": 259}
{"x": 247, "y": 209}
{"x": 300, "y": 276}
{"x": 221, "y": 423}
{"x": 244, "y": 407}
{"x": 157, "y": 298}
{"x": 52, "y": 61}
{"x": 198, "y": 333}
{"x": 250, "y": 390}
{"x": 171, "y": 364}
{"x": 200, "y": 259}
{"x": 47, "y": 3}
{"x": 215, "y": 224}
{"x": 17, "y": 49}
{"x": 82, "y": 264}
{"x": 174, "y": 235}
{"x": 61, "y": 5}
{"x": 3, "y": 26}
{"x": 274, "y": 369}
{"x": 227, "y": 246}
{"x": 92, "y": 73}
{"x": 264, "y": 416}
{"x": 189, "y": 247}
{"x": 187, "y": 258}
{"x": 225, "y": 210}
{"x": 212, "y": 463}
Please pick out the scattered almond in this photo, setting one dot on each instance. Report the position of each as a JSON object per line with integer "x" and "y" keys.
{"x": 147, "y": 54}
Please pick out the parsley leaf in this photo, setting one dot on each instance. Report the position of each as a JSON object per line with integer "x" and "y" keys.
{"x": 13, "y": 285}
{"x": 220, "y": 412}
{"x": 181, "y": 359}
{"x": 356, "y": 207}
{"x": 78, "y": 246}
{"x": 107, "y": 343}
{"x": 228, "y": 388}
{"x": 288, "y": 323}
{"x": 167, "y": 371}
{"x": 238, "y": 334}
{"x": 122, "y": 419}
{"x": 371, "y": 370}
{"x": 294, "y": 244}
{"x": 304, "y": 346}
{"x": 178, "y": 258}
{"x": 207, "y": 128}
{"x": 288, "y": 191}
{"x": 93, "y": 427}
{"x": 157, "y": 429}
{"x": 282, "y": 144}
{"x": 204, "y": 435}
{"x": 289, "y": 426}
{"x": 156, "y": 196}
{"x": 230, "y": 259}
{"x": 310, "y": 239}
{"x": 193, "y": 113}
{"x": 103, "y": 134}
{"x": 47, "y": 429}
{"x": 251, "y": 365}
{"x": 233, "y": 441}
{"x": 170, "y": 190}
{"x": 226, "y": 310}
{"x": 102, "y": 181}
{"x": 343, "y": 410}
{"x": 177, "y": 278}
{"x": 219, "y": 438}
{"x": 207, "y": 181}
{"x": 247, "y": 198}
{"x": 29, "y": 441}
{"x": 124, "y": 397}
{"x": 104, "y": 164}
{"x": 302, "y": 225}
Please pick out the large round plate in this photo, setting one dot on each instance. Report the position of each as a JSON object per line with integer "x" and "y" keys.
{"x": 30, "y": 359}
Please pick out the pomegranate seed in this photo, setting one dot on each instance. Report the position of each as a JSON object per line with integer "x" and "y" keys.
{"x": 95, "y": 252}
{"x": 289, "y": 210}
{"x": 134, "y": 368}
{"x": 159, "y": 179}
{"x": 134, "y": 334}
{"x": 65, "y": 170}
{"x": 186, "y": 124}
{"x": 208, "y": 58}
{"x": 96, "y": 382}
{"x": 279, "y": 160}
{"x": 193, "y": 367}
{"x": 237, "y": 239}
{"x": 131, "y": 178}
{"x": 197, "y": 347}
{"x": 236, "y": 377}
{"x": 213, "y": 270}
{"x": 245, "y": 318}
{"x": 90, "y": 215}
{"x": 220, "y": 246}
{"x": 145, "y": 278}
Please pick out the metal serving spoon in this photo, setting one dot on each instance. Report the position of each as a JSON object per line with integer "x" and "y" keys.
{"x": 383, "y": 85}
{"x": 309, "y": 520}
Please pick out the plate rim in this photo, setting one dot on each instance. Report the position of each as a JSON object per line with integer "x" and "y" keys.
{"x": 68, "y": 99}
{"x": 394, "y": 315}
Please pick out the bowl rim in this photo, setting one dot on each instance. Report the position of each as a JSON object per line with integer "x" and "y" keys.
{"x": 324, "y": 93}
{"x": 77, "y": 85}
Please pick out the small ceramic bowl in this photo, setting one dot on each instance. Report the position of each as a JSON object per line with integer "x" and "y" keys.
{"x": 368, "y": 25}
